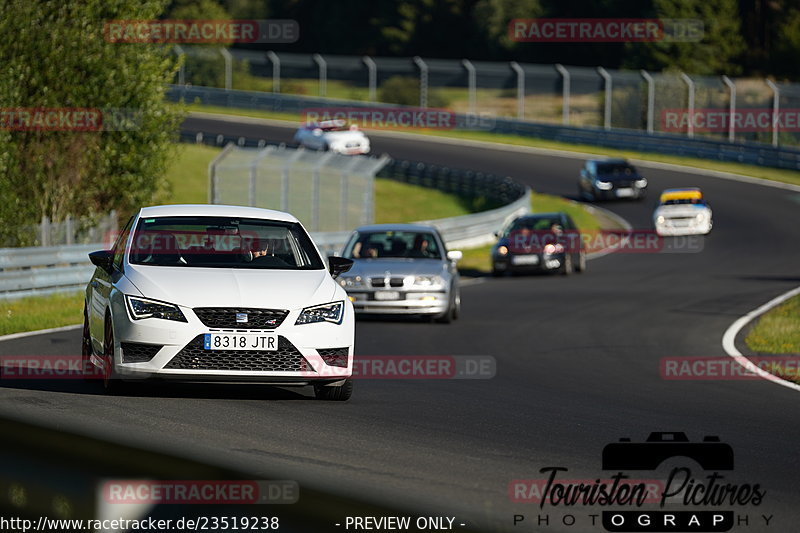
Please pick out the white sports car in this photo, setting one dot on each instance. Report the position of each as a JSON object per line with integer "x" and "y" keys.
{"x": 219, "y": 293}
{"x": 333, "y": 135}
{"x": 683, "y": 212}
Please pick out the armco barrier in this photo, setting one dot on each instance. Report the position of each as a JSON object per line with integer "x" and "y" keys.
{"x": 662, "y": 143}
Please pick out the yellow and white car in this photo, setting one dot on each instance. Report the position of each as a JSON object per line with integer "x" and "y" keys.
{"x": 683, "y": 212}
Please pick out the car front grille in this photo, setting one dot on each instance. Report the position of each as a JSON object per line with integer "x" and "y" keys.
{"x": 334, "y": 356}
{"x": 134, "y": 352}
{"x": 381, "y": 282}
{"x": 226, "y": 317}
{"x": 193, "y": 356}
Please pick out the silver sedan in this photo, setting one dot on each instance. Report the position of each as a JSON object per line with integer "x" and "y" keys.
{"x": 402, "y": 269}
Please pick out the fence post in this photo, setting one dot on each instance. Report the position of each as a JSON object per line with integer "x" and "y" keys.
{"x": 471, "y": 82}
{"x": 776, "y": 108}
{"x": 344, "y": 190}
{"x": 690, "y": 123}
{"x": 423, "y": 81}
{"x": 228, "y": 68}
{"x": 276, "y": 71}
{"x": 212, "y": 173}
{"x": 609, "y": 87}
{"x": 372, "y": 76}
{"x": 651, "y": 99}
{"x": 182, "y": 69}
{"x": 564, "y": 93}
{"x": 323, "y": 73}
{"x": 315, "y": 188}
{"x": 520, "y": 89}
{"x": 69, "y": 230}
{"x": 731, "y": 108}
{"x": 44, "y": 239}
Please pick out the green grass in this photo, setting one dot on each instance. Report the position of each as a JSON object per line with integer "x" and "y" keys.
{"x": 188, "y": 174}
{"x": 777, "y": 331}
{"x": 40, "y": 312}
{"x": 785, "y": 176}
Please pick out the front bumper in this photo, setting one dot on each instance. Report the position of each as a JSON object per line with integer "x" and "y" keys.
{"x": 620, "y": 193}
{"x": 669, "y": 229}
{"x": 527, "y": 262}
{"x": 408, "y": 303}
{"x": 177, "y": 352}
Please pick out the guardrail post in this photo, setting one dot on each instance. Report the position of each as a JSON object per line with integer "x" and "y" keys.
{"x": 276, "y": 71}
{"x": 690, "y": 123}
{"x": 323, "y": 73}
{"x": 471, "y": 83}
{"x": 776, "y": 108}
{"x": 520, "y": 89}
{"x": 182, "y": 69}
{"x": 731, "y": 108}
{"x": 608, "y": 92}
{"x": 44, "y": 239}
{"x": 651, "y": 99}
{"x": 423, "y": 81}
{"x": 372, "y": 77}
{"x": 565, "y": 80}
{"x": 228, "y": 68}
{"x": 69, "y": 230}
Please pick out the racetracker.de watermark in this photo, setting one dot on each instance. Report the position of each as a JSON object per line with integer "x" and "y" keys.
{"x": 194, "y": 492}
{"x": 726, "y": 368}
{"x": 416, "y": 367}
{"x": 583, "y": 491}
{"x": 745, "y": 120}
{"x": 384, "y": 117}
{"x": 201, "y": 31}
{"x": 75, "y": 119}
{"x": 645, "y": 241}
{"x": 25, "y": 367}
{"x": 604, "y": 30}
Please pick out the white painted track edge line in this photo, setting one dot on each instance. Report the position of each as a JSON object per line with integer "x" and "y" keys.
{"x": 23, "y": 334}
{"x": 729, "y": 339}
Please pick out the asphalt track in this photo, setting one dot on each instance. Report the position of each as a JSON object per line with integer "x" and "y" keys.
{"x": 578, "y": 366}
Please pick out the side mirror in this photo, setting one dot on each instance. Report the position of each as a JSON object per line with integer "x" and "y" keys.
{"x": 338, "y": 265}
{"x": 455, "y": 255}
{"x": 102, "y": 259}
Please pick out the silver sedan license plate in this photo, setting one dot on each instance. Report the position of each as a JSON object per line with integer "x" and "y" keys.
{"x": 387, "y": 295}
{"x": 261, "y": 342}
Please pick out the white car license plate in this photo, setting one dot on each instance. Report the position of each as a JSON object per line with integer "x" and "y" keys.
{"x": 387, "y": 295}
{"x": 525, "y": 260}
{"x": 261, "y": 342}
{"x": 624, "y": 193}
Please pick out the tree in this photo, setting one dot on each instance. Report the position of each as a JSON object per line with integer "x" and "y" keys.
{"x": 718, "y": 52}
{"x": 59, "y": 58}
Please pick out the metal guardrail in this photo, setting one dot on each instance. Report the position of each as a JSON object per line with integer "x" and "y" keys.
{"x": 662, "y": 143}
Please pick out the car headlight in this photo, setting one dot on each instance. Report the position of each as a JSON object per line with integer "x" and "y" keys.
{"x": 350, "y": 282}
{"x": 142, "y": 308}
{"x": 604, "y": 185}
{"x": 502, "y": 250}
{"x": 553, "y": 248}
{"x": 332, "y": 312}
{"x": 700, "y": 217}
{"x": 641, "y": 183}
{"x": 428, "y": 281}
{"x": 660, "y": 219}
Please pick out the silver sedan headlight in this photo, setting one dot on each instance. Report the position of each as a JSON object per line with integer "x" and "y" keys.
{"x": 331, "y": 312}
{"x": 604, "y": 185}
{"x": 428, "y": 281}
{"x": 351, "y": 282}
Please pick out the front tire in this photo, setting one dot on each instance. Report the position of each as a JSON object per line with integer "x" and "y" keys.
{"x": 581, "y": 266}
{"x": 87, "y": 368}
{"x": 111, "y": 384}
{"x": 339, "y": 393}
{"x": 566, "y": 267}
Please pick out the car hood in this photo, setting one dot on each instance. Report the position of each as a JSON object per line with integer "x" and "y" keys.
{"x": 377, "y": 268}
{"x": 227, "y": 287}
{"x": 680, "y": 210}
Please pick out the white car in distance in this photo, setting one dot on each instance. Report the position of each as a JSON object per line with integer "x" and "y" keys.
{"x": 333, "y": 135}
{"x": 219, "y": 293}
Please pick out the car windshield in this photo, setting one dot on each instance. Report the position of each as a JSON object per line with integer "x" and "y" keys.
{"x": 684, "y": 201}
{"x": 223, "y": 242}
{"x": 393, "y": 244}
{"x": 615, "y": 169}
{"x": 535, "y": 224}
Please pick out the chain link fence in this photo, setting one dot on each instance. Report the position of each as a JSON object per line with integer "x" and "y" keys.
{"x": 556, "y": 94}
{"x": 324, "y": 190}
